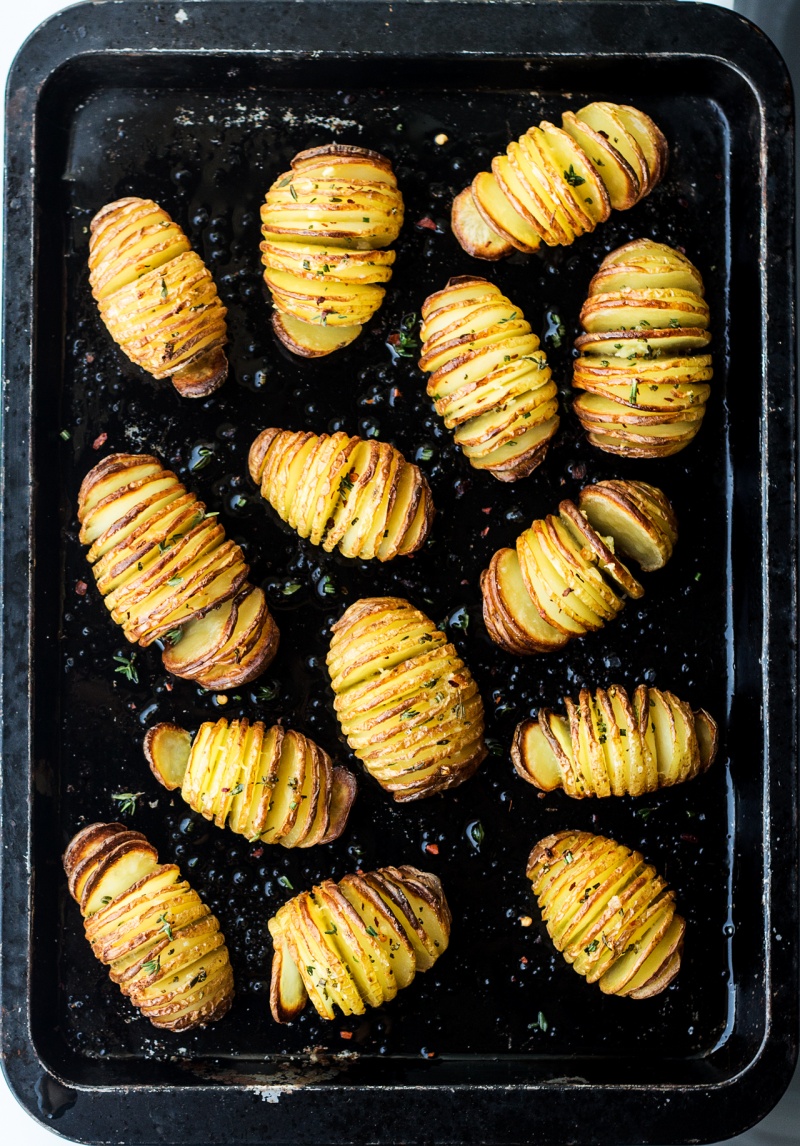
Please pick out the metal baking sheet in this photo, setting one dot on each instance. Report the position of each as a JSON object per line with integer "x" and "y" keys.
{"x": 200, "y": 106}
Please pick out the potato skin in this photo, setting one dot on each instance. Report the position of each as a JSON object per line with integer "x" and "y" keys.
{"x": 360, "y": 497}
{"x": 625, "y": 934}
{"x": 504, "y": 406}
{"x": 611, "y": 744}
{"x": 406, "y": 702}
{"x": 643, "y": 370}
{"x": 162, "y": 945}
{"x": 324, "y": 224}
{"x": 157, "y": 297}
{"x": 388, "y": 924}
{"x": 555, "y": 184}
{"x": 270, "y": 785}
{"x": 162, "y": 563}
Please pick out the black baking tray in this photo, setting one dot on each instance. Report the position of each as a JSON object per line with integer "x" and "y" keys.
{"x": 201, "y": 105}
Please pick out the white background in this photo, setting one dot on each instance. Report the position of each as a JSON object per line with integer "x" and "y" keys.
{"x": 17, "y": 1128}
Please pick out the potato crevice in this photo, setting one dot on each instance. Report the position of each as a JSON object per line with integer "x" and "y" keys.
{"x": 167, "y": 573}
{"x": 489, "y": 377}
{"x": 406, "y": 702}
{"x": 271, "y": 785}
{"x": 556, "y": 183}
{"x": 157, "y": 297}
{"x": 163, "y": 947}
{"x": 358, "y": 496}
{"x": 356, "y": 943}
{"x": 643, "y": 366}
{"x": 324, "y": 225}
{"x": 610, "y": 744}
{"x": 608, "y": 912}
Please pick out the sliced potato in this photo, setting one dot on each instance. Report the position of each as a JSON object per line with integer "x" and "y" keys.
{"x": 637, "y": 533}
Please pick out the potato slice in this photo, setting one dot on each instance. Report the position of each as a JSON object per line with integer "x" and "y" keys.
{"x": 533, "y": 757}
{"x": 605, "y": 120}
{"x": 636, "y": 534}
{"x": 579, "y": 175}
{"x": 500, "y": 214}
{"x": 356, "y": 948}
{"x": 515, "y": 599}
{"x": 620, "y": 180}
{"x": 288, "y": 995}
{"x": 310, "y": 340}
{"x": 86, "y": 863}
{"x": 167, "y": 748}
{"x": 128, "y": 862}
{"x": 597, "y": 551}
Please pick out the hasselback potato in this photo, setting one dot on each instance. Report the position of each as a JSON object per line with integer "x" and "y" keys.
{"x": 610, "y": 744}
{"x": 271, "y": 785}
{"x": 608, "y": 912}
{"x": 406, "y": 701}
{"x": 356, "y": 943}
{"x": 642, "y": 364}
{"x": 167, "y": 573}
{"x": 555, "y": 184}
{"x": 324, "y": 224}
{"x": 162, "y": 945}
{"x": 565, "y": 577}
{"x": 489, "y": 377}
{"x": 157, "y": 297}
{"x": 358, "y": 496}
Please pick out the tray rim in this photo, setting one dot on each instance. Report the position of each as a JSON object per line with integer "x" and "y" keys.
{"x": 106, "y": 27}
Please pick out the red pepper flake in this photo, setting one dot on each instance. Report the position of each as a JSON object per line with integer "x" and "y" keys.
{"x": 168, "y": 685}
{"x": 689, "y": 839}
{"x": 396, "y": 392}
{"x": 359, "y": 871}
{"x": 89, "y": 358}
{"x": 432, "y": 848}
{"x": 345, "y": 1034}
{"x": 426, "y": 223}
{"x": 465, "y": 581}
{"x": 484, "y": 531}
{"x": 257, "y": 853}
{"x": 524, "y": 960}
{"x": 99, "y": 441}
{"x": 393, "y": 339}
{"x": 566, "y": 592}
{"x": 80, "y": 588}
{"x": 486, "y": 509}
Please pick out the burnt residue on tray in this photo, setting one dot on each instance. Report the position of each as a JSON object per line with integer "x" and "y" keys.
{"x": 501, "y": 988}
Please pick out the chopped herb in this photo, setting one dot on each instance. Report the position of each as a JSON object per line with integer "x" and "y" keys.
{"x": 127, "y": 667}
{"x": 163, "y": 288}
{"x": 327, "y": 586}
{"x": 310, "y": 970}
{"x": 290, "y": 587}
{"x": 240, "y": 501}
{"x": 285, "y": 181}
{"x": 346, "y": 484}
{"x": 365, "y": 218}
{"x": 152, "y": 966}
{"x": 409, "y": 713}
{"x": 403, "y": 341}
{"x": 588, "y": 199}
{"x": 204, "y": 455}
{"x": 371, "y": 931}
{"x": 165, "y": 926}
{"x": 424, "y": 453}
{"x": 459, "y": 710}
{"x": 174, "y": 636}
{"x": 292, "y": 192}
{"x": 634, "y": 397}
{"x": 284, "y": 881}
{"x": 65, "y": 434}
{"x": 332, "y": 930}
{"x": 568, "y": 856}
{"x": 697, "y": 576}
{"x": 105, "y": 900}
{"x": 510, "y": 318}
{"x": 592, "y": 947}
{"x": 430, "y": 683}
{"x": 176, "y": 580}
{"x": 573, "y": 178}
{"x": 587, "y": 891}
{"x": 644, "y": 813}
{"x": 306, "y": 265}
{"x": 127, "y": 801}
{"x": 200, "y": 977}
{"x": 477, "y": 833}
{"x": 644, "y": 322}
{"x": 495, "y": 747}
{"x": 239, "y": 788}
{"x": 675, "y": 322}
{"x": 268, "y": 691}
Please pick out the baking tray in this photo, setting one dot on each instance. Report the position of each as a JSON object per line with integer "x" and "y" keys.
{"x": 200, "y": 105}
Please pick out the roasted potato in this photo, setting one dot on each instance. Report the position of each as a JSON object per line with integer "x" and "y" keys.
{"x": 556, "y": 183}
{"x": 356, "y": 943}
{"x": 642, "y": 366}
{"x": 162, "y": 945}
{"x": 324, "y": 224}
{"x": 358, "y": 496}
{"x": 157, "y": 297}
{"x": 406, "y": 701}
{"x": 167, "y": 572}
{"x": 611, "y": 745}
{"x": 489, "y": 377}
{"x": 271, "y": 785}
{"x": 565, "y": 577}
{"x": 608, "y": 913}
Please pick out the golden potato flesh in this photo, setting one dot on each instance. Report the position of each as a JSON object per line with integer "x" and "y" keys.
{"x": 611, "y": 745}
{"x": 406, "y": 702}
{"x": 271, "y": 785}
{"x": 557, "y": 183}
{"x": 360, "y": 497}
{"x": 352, "y": 945}
{"x": 157, "y": 297}
{"x": 324, "y": 225}
{"x": 167, "y": 572}
{"x": 160, "y": 942}
{"x": 565, "y": 577}
{"x": 608, "y": 912}
{"x": 489, "y": 377}
{"x": 642, "y": 366}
